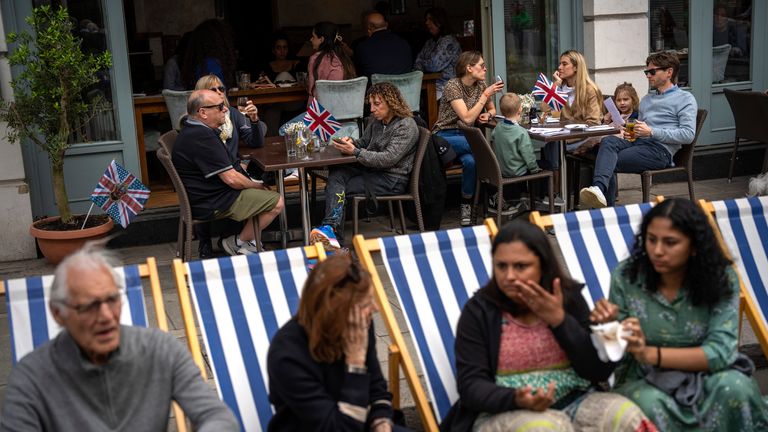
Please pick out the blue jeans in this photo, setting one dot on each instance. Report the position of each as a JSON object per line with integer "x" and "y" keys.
{"x": 461, "y": 146}
{"x": 619, "y": 155}
{"x": 349, "y": 180}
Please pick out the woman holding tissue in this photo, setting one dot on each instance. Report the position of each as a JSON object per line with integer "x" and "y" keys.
{"x": 678, "y": 296}
{"x": 524, "y": 358}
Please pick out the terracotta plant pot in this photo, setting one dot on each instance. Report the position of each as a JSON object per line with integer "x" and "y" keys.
{"x": 55, "y": 245}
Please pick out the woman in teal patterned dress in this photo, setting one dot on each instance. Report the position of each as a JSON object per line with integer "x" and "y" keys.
{"x": 678, "y": 295}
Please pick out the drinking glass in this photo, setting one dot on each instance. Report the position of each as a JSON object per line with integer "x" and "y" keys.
{"x": 542, "y": 117}
{"x": 630, "y": 127}
{"x": 290, "y": 146}
{"x": 244, "y": 81}
{"x": 242, "y": 102}
{"x": 305, "y": 137}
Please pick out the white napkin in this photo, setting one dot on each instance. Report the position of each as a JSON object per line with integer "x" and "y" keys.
{"x": 608, "y": 340}
{"x": 600, "y": 127}
{"x": 546, "y": 131}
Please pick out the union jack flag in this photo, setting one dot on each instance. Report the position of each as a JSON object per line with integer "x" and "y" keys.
{"x": 320, "y": 121}
{"x": 548, "y": 93}
{"x": 120, "y": 194}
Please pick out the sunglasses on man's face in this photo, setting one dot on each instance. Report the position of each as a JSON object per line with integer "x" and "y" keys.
{"x": 653, "y": 71}
{"x": 219, "y": 106}
{"x": 220, "y": 89}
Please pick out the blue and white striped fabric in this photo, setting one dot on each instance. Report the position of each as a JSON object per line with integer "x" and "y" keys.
{"x": 30, "y": 319}
{"x": 742, "y": 223}
{"x": 241, "y": 302}
{"x": 594, "y": 241}
{"x": 434, "y": 274}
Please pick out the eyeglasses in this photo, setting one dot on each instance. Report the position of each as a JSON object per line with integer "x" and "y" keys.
{"x": 652, "y": 71}
{"x": 220, "y": 89}
{"x": 480, "y": 65}
{"x": 92, "y": 309}
{"x": 219, "y": 106}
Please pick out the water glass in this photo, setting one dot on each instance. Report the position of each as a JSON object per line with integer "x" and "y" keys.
{"x": 290, "y": 144}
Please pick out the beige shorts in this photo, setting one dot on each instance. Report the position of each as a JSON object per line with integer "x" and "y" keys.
{"x": 249, "y": 203}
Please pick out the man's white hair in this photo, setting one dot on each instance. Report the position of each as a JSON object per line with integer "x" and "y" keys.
{"x": 758, "y": 186}
{"x": 92, "y": 256}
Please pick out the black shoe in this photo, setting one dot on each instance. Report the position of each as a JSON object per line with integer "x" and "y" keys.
{"x": 205, "y": 250}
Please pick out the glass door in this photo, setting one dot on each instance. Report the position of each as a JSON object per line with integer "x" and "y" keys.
{"x": 108, "y": 134}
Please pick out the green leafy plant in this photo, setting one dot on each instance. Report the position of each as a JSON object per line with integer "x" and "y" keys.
{"x": 49, "y": 102}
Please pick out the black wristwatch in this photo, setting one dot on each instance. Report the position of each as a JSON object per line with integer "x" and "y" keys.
{"x": 357, "y": 152}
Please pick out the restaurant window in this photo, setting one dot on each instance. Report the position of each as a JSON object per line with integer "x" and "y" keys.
{"x": 669, "y": 32}
{"x": 530, "y": 29}
{"x": 731, "y": 41}
{"x": 88, "y": 24}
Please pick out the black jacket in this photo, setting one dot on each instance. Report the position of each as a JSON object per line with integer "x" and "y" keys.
{"x": 478, "y": 336}
{"x": 306, "y": 393}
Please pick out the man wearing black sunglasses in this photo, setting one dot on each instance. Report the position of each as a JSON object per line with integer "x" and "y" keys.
{"x": 97, "y": 374}
{"x": 667, "y": 121}
{"x": 217, "y": 185}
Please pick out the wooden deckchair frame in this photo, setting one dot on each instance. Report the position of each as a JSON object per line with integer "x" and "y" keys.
{"x": 398, "y": 352}
{"x": 746, "y": 303}
{"x": 188, "y": 314}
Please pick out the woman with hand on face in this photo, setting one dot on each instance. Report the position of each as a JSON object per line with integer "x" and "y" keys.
{"x": 524, "y": 357}
{"x": 679, "y": 297}
{"x": 323, "y": 370}
{"x": 441, "y": 52}
{"x": 466, "y": 99}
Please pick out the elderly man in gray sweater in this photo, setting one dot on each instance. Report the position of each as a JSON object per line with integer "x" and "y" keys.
{"x": 385, "y": 160}
{"x": 667, "y": 121}
{"x": 98, "y": 375}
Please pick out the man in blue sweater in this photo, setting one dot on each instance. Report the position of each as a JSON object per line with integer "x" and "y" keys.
{"x": 667, "y": 121}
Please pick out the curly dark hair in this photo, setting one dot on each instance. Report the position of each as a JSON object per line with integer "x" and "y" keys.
{"x": 331, "y": 45}
{"x": 393, "y": 98}
{"x": 706, "y": 272}
{"x": 210, "y": 39}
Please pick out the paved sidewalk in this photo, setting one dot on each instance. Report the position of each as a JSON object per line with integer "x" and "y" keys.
{"x": 165, "y": 253}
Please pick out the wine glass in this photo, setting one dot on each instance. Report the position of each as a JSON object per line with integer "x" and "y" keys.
{"x": 305, "y": 137}
{"x": 242, "y": 103}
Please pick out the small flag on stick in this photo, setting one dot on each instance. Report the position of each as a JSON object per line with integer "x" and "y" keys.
{"x": 320, "y": 121}
{"x": 546, "y": 91}
{"x": 120, "y": 194}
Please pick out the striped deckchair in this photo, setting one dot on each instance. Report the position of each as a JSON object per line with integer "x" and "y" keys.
{"x": 30, "y": 320}
{"x": 594, "y": 241}
{"x": 743, "y": 232}
{"x": 433, "y": 274}
{"x": 240, "y": 302}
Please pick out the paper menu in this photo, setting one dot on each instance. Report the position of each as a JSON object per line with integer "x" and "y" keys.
{"x": 615, "y": 114}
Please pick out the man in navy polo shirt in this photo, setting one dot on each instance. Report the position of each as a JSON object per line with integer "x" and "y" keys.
{"x": 217, "y": 185}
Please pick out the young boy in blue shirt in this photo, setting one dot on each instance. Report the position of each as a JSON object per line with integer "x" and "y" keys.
{"x": 514, "y": 152}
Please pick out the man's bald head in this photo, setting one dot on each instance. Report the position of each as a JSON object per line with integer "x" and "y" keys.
{"x": 375, "y": 22}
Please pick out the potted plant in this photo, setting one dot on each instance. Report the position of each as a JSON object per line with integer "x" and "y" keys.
{"x": 49, "y": 105}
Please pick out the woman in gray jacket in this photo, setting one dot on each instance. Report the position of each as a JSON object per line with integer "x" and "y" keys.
{"x": 385, "y": 159}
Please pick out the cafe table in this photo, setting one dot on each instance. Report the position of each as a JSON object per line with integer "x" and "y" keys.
{"x": 562, "y": 136}
{"x": 273, "y": 157}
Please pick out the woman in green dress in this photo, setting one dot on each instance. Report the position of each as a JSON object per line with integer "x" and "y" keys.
{"x": 678, "y": 296}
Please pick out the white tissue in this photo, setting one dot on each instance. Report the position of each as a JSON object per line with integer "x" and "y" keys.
{"x": 609, "y": 341}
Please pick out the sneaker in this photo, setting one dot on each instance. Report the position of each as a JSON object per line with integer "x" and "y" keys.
{"x": 559, "y": 202}
{"x": 466, "y": 215}
{"x": 325, "y": 235}
{"x": 249, "y": 248}
{"x": 205, "y": 249}
{"x": 592, "y": 197}
{"x": 229, "y": 244}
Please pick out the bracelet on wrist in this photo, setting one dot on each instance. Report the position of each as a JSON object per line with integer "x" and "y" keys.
{"x": 360, "y": 370}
